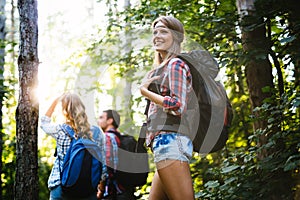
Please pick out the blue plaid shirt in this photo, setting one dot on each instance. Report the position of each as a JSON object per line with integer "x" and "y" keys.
{"x": 63, "y": 141}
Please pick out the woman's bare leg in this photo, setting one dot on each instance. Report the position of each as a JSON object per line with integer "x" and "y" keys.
{"x": 157, "y": 189}
{"x": 173, "y": 178}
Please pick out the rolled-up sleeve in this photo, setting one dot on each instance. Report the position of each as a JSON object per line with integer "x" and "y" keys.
{"x": 179, "y": 85}
{"x": 50, "y": 128}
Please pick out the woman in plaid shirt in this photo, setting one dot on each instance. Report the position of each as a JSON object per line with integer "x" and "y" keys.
{"x": 74, "y": 112}
{"x": 168, "y": 87}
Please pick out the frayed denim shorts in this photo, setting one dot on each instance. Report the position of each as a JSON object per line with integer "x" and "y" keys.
{"x": 172, "y": 146}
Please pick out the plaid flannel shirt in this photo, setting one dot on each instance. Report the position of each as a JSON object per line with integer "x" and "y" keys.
{"x": 112, "y": 142}
{"x": 178, "y": 80}
{"x": 63, "y": 143}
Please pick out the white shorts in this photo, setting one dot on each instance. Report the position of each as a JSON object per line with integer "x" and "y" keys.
{"x": 172, "y": 146}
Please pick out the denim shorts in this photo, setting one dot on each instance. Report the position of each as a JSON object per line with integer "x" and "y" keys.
{"x": 172, "y": 146}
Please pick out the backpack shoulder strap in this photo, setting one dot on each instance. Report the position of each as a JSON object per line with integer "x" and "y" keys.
{"x": 69, "y": 130}
{"x": 141, "y": 138}
{"x": 118, "y": 134}
{"x": 154, "y": 87}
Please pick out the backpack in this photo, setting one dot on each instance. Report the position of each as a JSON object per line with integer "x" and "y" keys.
{"x": 82, "y": 166}
{"x": 209, "y": 112}
{"x": 133, "y": 167}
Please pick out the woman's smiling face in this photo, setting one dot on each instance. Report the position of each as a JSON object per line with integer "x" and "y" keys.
{"x": 162, "y": 38}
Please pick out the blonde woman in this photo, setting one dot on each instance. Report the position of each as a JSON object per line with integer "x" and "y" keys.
{"x": 167, "y": 87}
{"x": 73, "y": 110}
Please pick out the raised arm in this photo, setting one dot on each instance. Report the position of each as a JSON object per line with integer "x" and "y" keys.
{"x": 52, "y": 107}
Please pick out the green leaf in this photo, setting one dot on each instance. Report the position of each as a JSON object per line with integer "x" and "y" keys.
{"x": 230, "y": 169}
{"x": 230, "y": 180}
{"x": 212, "y": 184}
{"x": 297, "y": 102}
{"x": 288, "y": 39}
{"x": 290, "y": 165}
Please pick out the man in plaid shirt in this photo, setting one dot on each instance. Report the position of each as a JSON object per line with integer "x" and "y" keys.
{"x": 109, "y": 121}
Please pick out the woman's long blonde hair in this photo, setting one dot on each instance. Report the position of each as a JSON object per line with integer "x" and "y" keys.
{"x": 74, "y": 112}
{"x": 177, "y": 30}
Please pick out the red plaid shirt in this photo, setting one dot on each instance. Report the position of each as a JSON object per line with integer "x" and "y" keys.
{"x": 111, "y": 149}
{"x": 177, "y": 79}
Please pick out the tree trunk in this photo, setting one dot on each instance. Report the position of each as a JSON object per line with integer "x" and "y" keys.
{"x": 258, "y": 68}
{"x": 2, "y": 91}
{"x": 27, "y": 113}
{"x": 259, "y": 75}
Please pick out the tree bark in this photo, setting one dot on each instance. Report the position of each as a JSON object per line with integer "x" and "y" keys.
{"x": 27, "y": 113}
{"x": 258, "y": 68}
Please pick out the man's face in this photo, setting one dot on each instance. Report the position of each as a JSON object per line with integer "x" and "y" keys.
{"x": 102, "y": 121}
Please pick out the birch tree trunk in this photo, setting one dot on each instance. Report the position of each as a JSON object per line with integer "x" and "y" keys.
{"x": 27, "y": 113}
{"x": 2, "y": 61}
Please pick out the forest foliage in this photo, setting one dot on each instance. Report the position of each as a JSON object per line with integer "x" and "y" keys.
{"x": 246, "y": 168}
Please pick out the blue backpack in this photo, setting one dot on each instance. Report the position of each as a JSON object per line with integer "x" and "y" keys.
{"x": 83, "y": 164}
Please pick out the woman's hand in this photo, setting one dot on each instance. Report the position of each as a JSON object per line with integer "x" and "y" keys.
{"x": 100, "y": 190}
{"x": 147, "y": 81}
{"x": 52, "y": 107}
{"x": 156, "y": 98}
